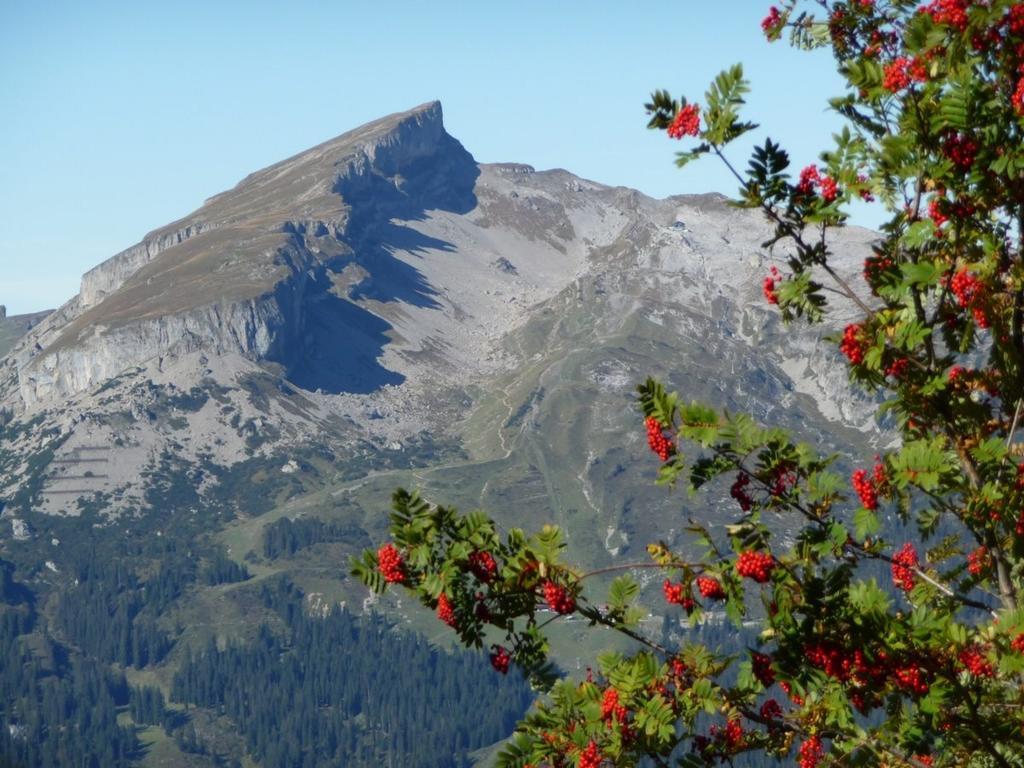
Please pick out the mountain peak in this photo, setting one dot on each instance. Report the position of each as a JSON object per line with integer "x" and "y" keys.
{"x": 300, "y": 192}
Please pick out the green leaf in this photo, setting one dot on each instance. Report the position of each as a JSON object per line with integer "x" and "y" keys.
{"x": 865, "y": 523}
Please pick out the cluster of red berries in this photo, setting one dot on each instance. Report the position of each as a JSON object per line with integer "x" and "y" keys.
{"x": 865, "y": 488}
{"x": 903, "y": 564}
{"x": 937, "y": 211}
{"x": 445, "y": 611}
{"x": 483, "y": 566}
{"x": 611, "y": 708}
{"x": 951, "y": 12}
{"x": 590, "y": 757}
{"x": 903, "y": 71}
{"x": 978, "y": 561}
{"x": 710, "y": 588}
{"x": 912, "y": 678}
{"x": 500, "y": 658}
{"x": 656, "y": 439}
{"x": 811, "y": 180}
{"x": 852, "y": 344}
{"x": 874, "y": 267}
{"x": 897, "y": 368}
{"x": 966, "y": 287}
{"x": 770, "y": 284}
{"x": 558, "y": 598}
{"x": 969, "y": 292}
{"x": 677, "y": 594}
{"x": 974, "y": 662}
{"x": 755, "y": 565}
{"x": 811, "y": 752}
{"x": 685, "y": 123}
{"x": 1018, "y": 643}
{"x": 762, "y": 667}
{"x": 782, "y": 481}
{"x": 739, "y": 492}
{"x": 771, "y": 22}
{"x": 771, "y": 710}
{"x": 733, "y": 734}
{"x": 390, "y": 564}
{"x": 1018, "y": 98}
{"x": 961, "y": 150}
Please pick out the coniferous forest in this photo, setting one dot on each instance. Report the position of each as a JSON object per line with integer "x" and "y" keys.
{"x": 327, "y": 689}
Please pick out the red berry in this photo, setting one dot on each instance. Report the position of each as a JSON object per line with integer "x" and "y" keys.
{"x": 739, "y": 491}
{"x": 710, "y": 588}
{"x": 763, "y": 671}
{"x": 974, "y": 661}
{"x": 685, "y": 123}
{"x": 755, "y": 565}
{"x": 590, "y": 757}
{"x": 865, "y": 489}
{"x": 770, "y": 284}
{"x": 771, "y": 22}
{"x": 1018, "y": 643}
{"x": 771, "y": 710}
{"x": 445, "y": 612}
{"x": 811, "y": 752}
{"x": 500, "y": 659}
{"x": 558, "y": 598}
{"x": 978, "y": 561}
{"x": 852, "y": 344}
{"x": 903, "y": 564}
{"x": 483, "y": 566}
{"x": 390, "y": 564}
{"x": 656, "y": 439}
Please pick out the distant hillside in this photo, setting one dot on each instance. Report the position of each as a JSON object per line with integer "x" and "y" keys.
{"x": 14, "y": 327}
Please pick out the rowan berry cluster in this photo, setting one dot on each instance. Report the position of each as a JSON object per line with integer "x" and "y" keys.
{"x": 445, "y": 611}
{"x": 558, "y": 598}
{"x": 685, "y": 123}
{"x": 874, "y": 268}
{"x": 755, "y": 565}
{"x": 961, "y": 150}
{"x": 897, "y": 369}
{"x": 762, "y": 668}
{"x": 865, "y": 489}
{"x": 483, "y": 566}
{"x": 611, "y": 708}
{"x": 902, "y": 71}
{"x": 912, "y": 678}
{"x": 812, "y": 180}
{"x": 852, "y": 344}
{"x": 678, "y": 594}
{"x": 656, "y": 439}
{"x": 771, "y": 22}
{"x": 770, "y": 710}
{"x": 903, "y": 564}
{"x": 590, "y": 757}
{"x": 739, "y": 492}
{"x": 500, "y": 658}
{"x": 710, "y": 588}
{"x": 978, "y": 561}
{"x": 1018, "y": 643}
{"x": 783, "y": 480}
{"x": 974, "y": 661}
{"x": 811, "y": 752}
{"x": 390, "y": 564}
{"x": 950, "y": 12}
{"x": 770, "y": 284}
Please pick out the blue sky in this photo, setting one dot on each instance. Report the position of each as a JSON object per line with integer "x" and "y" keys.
{"x": 120, "y": 117}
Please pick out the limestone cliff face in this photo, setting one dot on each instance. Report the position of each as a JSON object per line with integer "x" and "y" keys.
{"x": 246, "y": 272}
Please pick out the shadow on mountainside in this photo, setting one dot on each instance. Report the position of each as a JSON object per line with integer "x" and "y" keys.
{"x": 343, "y": 341}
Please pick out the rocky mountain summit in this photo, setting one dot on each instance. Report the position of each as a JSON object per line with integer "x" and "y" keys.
{"x": 381, "y": 303}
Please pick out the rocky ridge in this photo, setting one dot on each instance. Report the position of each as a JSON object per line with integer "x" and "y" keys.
{"x": 374, "y": 295}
